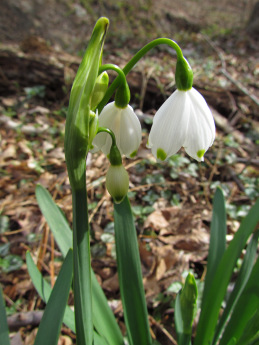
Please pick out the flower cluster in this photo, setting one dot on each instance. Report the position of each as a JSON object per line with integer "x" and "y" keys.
{"x": 184, "y": 120}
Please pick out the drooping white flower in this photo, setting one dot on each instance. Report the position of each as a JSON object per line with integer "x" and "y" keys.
{"x": 183, "y": 120}
{"x": 125, "y": 125}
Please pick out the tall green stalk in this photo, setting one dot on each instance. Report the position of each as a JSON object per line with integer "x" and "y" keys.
{"x": 82, "y": 268}
{"x": 80, "y": 125}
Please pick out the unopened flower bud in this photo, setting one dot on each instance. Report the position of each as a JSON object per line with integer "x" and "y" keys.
{"x": 93, "y": 126}
{"x": 117, "y": 182}
{"x": 188, "y": 298}
{"x": 100, "y": 89}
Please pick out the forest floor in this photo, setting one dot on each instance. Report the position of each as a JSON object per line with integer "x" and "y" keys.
{"x": 172, "y": 202}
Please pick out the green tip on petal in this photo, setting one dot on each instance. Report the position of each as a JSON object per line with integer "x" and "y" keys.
{"x": 133, "y": 154}
{"x": 200, "y": 153}
{"x": 160, "y": 153}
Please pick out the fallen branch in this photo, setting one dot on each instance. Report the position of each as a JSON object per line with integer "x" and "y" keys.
{"x": 18, "y": 320}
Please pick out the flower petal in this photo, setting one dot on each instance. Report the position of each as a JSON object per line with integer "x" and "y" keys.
{"x": 201, "y": 126}
{"x": 126, "y": 127}
{"x": 169, "y": 127}
{"x": 130, "y": 132}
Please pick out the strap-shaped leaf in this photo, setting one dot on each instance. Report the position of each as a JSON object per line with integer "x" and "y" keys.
{"x": 55, "y": 219}
{"x": 211, "y": 306}
{"x": 244, "y": 321}
{"x": 240, "y": 284}
{"x": 217, "y": 246}
{"x": 4, "y": 331}
{"x": 130, "y": 277}
{"x": 52, "y": 319}
{"x": 44, "y": 290}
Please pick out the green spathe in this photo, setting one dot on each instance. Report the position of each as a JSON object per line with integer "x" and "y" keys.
{"x": 78, "y": 118}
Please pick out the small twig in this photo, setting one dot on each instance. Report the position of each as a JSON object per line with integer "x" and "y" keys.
{"x": 18, "y": 320}
{"x": 226, "y": 74}
{"x": 162, "y": 329}
{"x": 248, "y": 161}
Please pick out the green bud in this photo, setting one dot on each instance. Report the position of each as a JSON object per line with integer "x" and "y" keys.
{"x": 117, "y": 182}
{"x": 183, "y": 74}
{"x": 100, "y": 88}
{"x": 93, "y": 126}
{"x": 78, "y": 132}
{"x": 188, "y": 298}
{"x": 122, "y": 96}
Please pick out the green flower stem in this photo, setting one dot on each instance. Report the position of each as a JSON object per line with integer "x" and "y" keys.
{"x": 122, "y": 96}
{"x": 107, "y": 130}
{"x": 133, "y": 62}
{"x": 115, "y": 68}
{"x": 114, "y": 155}
{"x": 82, "y": 269}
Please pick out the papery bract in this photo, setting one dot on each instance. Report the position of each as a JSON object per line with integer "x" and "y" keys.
{"x": 126, "y": 127}
{"x": 184, "y": 120}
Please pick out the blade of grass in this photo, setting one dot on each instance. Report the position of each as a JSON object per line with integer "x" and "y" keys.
{"x": 218, "y": 232}
{"x": 4, "y": 331}
{"x": 130, "y": 277}
{"x": 104, "y": 320}
{"x": 212, "y": 303}
{"x": 50, "y": 325}
{"x": 240, "y": 284}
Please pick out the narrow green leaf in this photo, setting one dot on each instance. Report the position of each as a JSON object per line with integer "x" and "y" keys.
{"x": 211, "y": 306}
{"x": 82, "y": 269}
{"x": 51, "y": 322}
{"x": 55, "y": 219}
{"x": 4, "y": 331}
{"x": 104, "y": 320}
{"x": 254, "y": 341}
{"x": 217, "y": 246}
{"x": 44, "y": 290}
{"x": 251, "y": 331}
{"x": 245, "y": 311}
{"x": 130, "y": 277}
{"x": 240, "y": 284}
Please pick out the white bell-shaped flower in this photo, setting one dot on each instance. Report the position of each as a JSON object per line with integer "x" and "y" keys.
{"x": 126, "y": 127}
{"x": 183, "y": 120}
